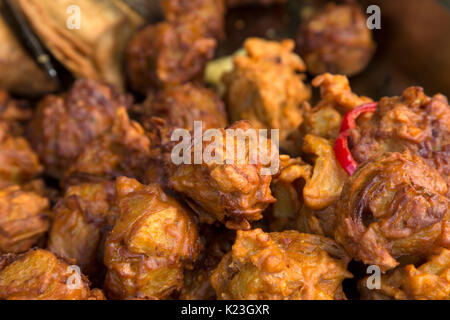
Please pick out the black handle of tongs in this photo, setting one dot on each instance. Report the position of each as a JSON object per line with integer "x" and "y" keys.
{"x": 15, "y": 18}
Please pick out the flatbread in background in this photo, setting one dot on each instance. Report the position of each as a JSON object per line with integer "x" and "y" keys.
{"x": 95, "y": 50}
{"x": 19, "y": 74}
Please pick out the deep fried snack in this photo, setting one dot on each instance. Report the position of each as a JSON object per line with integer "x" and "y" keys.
{"x": 24, "y": 219}
{"x": 123, "y": 150}
{"x": 81, "y": 220}
{"x": 337, "y": 40}
{"x": 167, "y": 54}
{"x": 153, "y": 240}
{"x": 40, "y": 275}
{"x": 325, "y": 185}
{"x": 393, "y": 206}
{"x": 430, "y": 281}
{"x": 63, "y": 125}
{"x": 177, "y": 108}
{"x": 217, "y": 242}
{"x": 266, "y": 88}
{"x": 412, "y": 122}
{"x": 281, "y": 265}
{"x": 233, "y": 193}
{"x": 287, "y": 188}
{"x": 237, "y": 3}
{"x": 18, "y": 162}
{"x": 324, "y": 119}
{"x": 210, "y": 12}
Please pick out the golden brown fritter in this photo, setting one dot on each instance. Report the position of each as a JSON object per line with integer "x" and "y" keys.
{"x": 177, "y": 108}
{"x": 324, "y": 119}
{"x": 40, "y": 275}
{"x": 393, "y": 206}
{"x": 211, "y": 13}
{"x": 328, "y": 178}
{"x": 281, "y": 265}
{"x": 336, "y": 39}
{"x": 167, "y": 54}
{"x": 266, "y": 88}
{"x": 216, "y": 242}
{"x": 287, "y": 188}
{"x": 412, "y": 122}
{"x": 122, "y": 150}
{"x": 306, "y": 195}
{"x": 429, "y": 281}
{"x": 63, "y": 125}
{"x": 232, "y": 193}
{"x": 153, "y": 240}
{"x": 18, "y": 162}
{"x": 237, "y": 3}
{"x": 24, "y": 219}
{"x": 82, "y": 218}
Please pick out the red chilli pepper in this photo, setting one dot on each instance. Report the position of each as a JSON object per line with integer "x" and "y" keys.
{"x": 341, "y": 150}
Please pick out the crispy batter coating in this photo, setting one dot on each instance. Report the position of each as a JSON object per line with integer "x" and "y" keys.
{"x": 281, "y": 265}
{"x": 328, "y": 178}
{"x": 167, "y": 54}
{"x": 217, "y": 242}
{"x": 238, "y": 3}
{"x": 233, "y": 193}
{"x": 337, "y": 40}
{"x": 177, "y": 108}
{"x": 63, "y": 125}
{"x": 40, "y": 275}
{"x": 429, "y": 281}
{"x": 266, "y": 88}
{"x": 393, "y": 206}
{"x": 82, "y": 218}
{"x": 287, "y": 188}
{"x": 18, "y": 162}
{"x": 122, "y": 150}
{"x": 24, "y": 219}
{"x": 324, "y": 119}
{"x": 210, "y": 12}
{"x": 153, "y": 240}
{"x": 412, "y": 122}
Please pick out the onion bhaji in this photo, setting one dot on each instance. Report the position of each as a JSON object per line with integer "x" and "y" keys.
{"x": 281, "y": 265}
{"x": 232, "y": 193}
{"x": 14, "y": 112}
{"x": 393, "y": 206}
{"x": 153, "y": 240}
{"x": 18, "y": 162}
{"x": 167, "y": 54}
{"x": 178, "y": 107}
{"x": 40, "y": 275}
{"x": 266, "y": 86}
{"x": 122, "y": 150}
{"x": 63, "y": 125}
{"x": 81, "y": 221}
{"x": 412, "y": 122}
{"x": 429, "y": 281}
{"x": 324, "y": 119}
{"x": 210, "y": 12}
{"x": 287, "y": 188}
{"x": 24, "y": 219}
{"x": 336, "y": 39}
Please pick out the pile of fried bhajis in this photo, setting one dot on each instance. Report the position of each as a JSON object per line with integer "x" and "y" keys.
{"x": 86, "y": 177}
